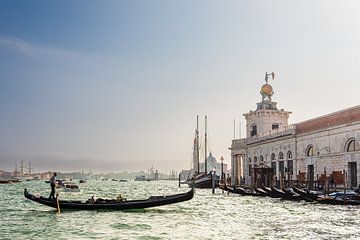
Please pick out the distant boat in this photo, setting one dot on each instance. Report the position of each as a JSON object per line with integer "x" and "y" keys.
{"x": 82, "y": 181}
{"x": 112, "y": 204}
{"x": 68, "y": 186}
{"x": 140, "y": 178}
{"x": 123, "y": 180}
{"x": 113, "y": 179}
{"x": 10, "y": 181}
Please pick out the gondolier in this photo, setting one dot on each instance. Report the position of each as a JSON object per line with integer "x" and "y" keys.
{"x": 53, "y": 184}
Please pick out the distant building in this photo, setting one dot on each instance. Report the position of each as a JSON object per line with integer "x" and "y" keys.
{"x": 212, "y": 164}
{"x": 317, "y": 149}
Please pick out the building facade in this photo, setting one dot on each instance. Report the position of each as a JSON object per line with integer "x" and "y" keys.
{"x": 319, "y": 149}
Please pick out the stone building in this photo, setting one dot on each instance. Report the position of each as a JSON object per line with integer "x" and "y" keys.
{"x": 314, "y": 150}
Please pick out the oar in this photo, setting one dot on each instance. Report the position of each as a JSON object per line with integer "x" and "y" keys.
{"x": 57, "y": 203}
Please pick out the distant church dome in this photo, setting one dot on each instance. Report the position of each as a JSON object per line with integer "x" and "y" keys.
{"x": 267, "y": 89}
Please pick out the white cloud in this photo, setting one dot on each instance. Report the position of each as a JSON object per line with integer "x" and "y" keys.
{"x": 33, "y": 50}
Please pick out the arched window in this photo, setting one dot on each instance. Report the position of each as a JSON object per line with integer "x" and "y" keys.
{"x": 289, "y": 155}
{"x": 249, "y": 159}
{"x": 261, "y": 158}
{"x": 281, "y": 155}
{"x": 255, "y": 159}
{"x": 273, "y": 156}
{"x": 310, "y": 151}
{"x": 350, "y": 145}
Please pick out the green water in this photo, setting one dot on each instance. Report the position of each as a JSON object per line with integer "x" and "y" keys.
{"x": 206, "y": 216}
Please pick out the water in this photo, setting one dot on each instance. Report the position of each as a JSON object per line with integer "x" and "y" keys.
{"x": 206, "y": 216}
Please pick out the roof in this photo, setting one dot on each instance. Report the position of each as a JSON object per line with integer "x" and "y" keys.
{"x": 341, "y": 117}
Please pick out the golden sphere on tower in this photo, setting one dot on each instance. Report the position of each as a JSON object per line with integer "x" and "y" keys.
{"x": 267, "y": 89}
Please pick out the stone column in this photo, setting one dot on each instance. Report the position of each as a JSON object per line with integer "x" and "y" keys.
{"x": 233, "y": 167}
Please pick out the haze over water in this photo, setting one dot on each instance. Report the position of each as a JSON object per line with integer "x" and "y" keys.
{"x": 206, "y": 216}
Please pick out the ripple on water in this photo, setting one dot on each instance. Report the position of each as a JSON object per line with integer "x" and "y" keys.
{"x": 131, "y": 227}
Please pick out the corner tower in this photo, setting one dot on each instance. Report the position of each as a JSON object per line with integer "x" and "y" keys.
{"x": 267, "y": 117}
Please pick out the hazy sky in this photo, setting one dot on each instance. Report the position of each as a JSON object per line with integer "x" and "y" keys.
{"x": 116, "y": 85}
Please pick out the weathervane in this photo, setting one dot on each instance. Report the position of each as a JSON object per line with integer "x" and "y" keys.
{"x": 272, "y": 74}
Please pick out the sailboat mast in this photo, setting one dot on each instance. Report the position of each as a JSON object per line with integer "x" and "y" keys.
{"x": 22, "y": 168}
{"x": 205, "y": 144}
{"x": 197, "y": 144}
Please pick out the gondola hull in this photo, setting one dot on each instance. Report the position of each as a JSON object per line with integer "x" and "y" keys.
{"x": 305, "y": 195}
{"x": 153, "y": 201}
{"x": 239, "y": 190}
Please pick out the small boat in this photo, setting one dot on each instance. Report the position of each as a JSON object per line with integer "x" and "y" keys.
{"x": 68, "y": 187}
{"x": 286, "y": 194}
{"x": 82, "y": 181}
{"x": 112, "y": 204}
{"x": 337, "y": 201}
{"x": 306, "y": 195}
{"x": 261, "y": 192}
{"x": 238, "y": 190}
{"x": 15, "y": 180}
{"x": 5, "y": 181}
{"x": 123, "y": 180}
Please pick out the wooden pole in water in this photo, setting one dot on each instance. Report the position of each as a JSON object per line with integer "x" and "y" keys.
{"x": 57, "y": 203}
{"x": 213, "y": 181}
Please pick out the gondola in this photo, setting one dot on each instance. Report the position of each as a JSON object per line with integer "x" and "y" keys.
{"x": 113, "y": 204}
{"x": 270, "y": 193}
{"x": 305, "y": 195}
{"x": 261, "y": 192}
{"x": 336, "y": 201}
{"x": 238, "y": 190}
{"x": 286, "y": 195}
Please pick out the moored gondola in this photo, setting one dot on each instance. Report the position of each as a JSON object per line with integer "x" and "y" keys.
{"x": 112, "y": 204}
{"x": 286, "y": 195}
{"x": 336, "y": 201}
{"x": 262, "y": 192}
{"x": 238, "y": 190}
{"x": 270, "y": 192}
{"x": 306, "y": 195}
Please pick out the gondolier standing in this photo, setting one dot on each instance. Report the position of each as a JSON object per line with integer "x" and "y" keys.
{"x": 53, "y": 184}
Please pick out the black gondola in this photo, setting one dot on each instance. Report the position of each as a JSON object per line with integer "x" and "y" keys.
{"x": 287, "y": 195}
{"x": 113, "y": 204}
{"x": 306, "y": 195}
{"x": 238, "y": 190}
{"x": 262, "y": 192}
{"x": 336, "y": 201}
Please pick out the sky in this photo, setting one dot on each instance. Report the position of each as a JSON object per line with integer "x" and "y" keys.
{"x": 116, "y": 85}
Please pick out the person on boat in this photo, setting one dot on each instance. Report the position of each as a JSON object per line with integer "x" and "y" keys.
{"x": 53, "y": 184}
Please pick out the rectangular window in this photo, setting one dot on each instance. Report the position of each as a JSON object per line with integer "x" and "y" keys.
{"x": 253, "y": 131}
{"x": 290, "y": 167}
{"x": 249, "y": 169}
{"x": 281, "y": 168}
{"x": 273, "y": 166}
{"x": 275, "y": 126}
